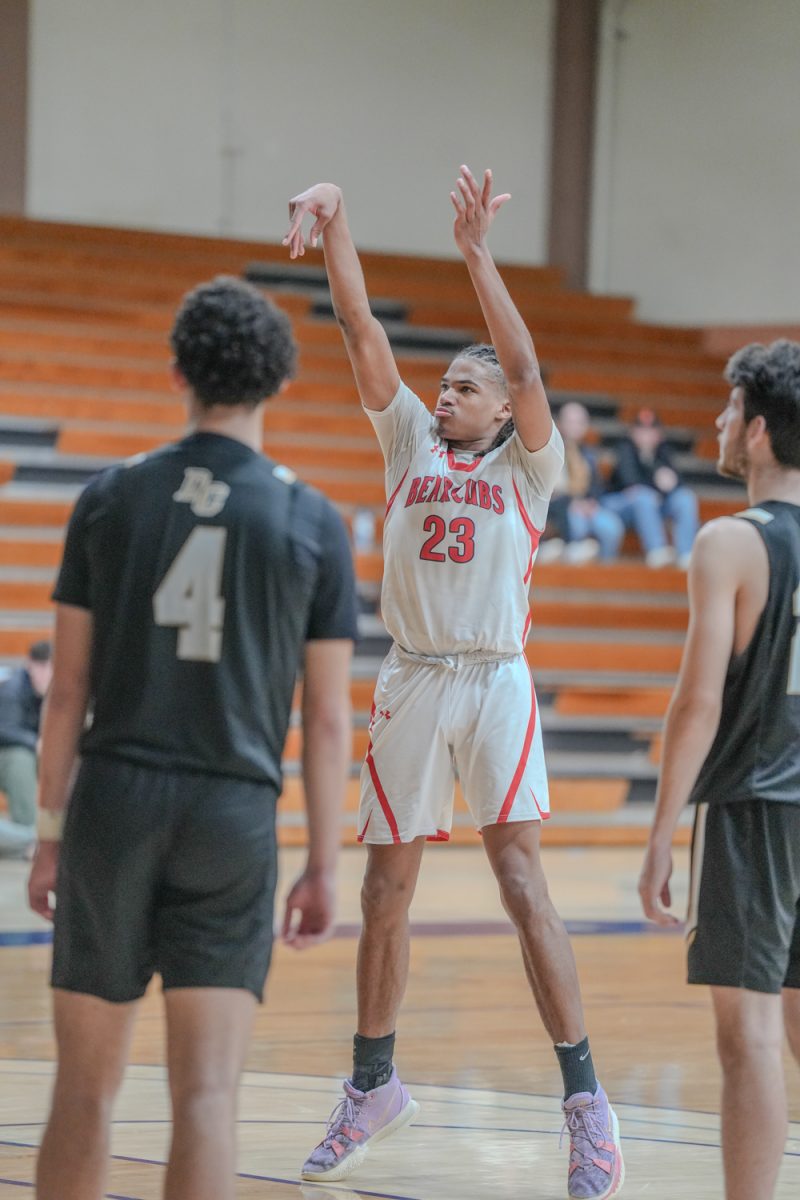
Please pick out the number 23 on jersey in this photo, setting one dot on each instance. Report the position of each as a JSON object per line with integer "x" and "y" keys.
{"x": 454, "y": 541}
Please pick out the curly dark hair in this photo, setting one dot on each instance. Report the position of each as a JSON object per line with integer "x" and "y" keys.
{"x": 232, "y": 345}
{"x": 486, "y": 355}
{"x": 769, "y": 376}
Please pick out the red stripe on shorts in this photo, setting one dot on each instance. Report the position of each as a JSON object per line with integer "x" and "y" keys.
{"x": 511, "y": 794}
{"x": 441, "y": 835}
{"x": 542, "y": 816}
{"x": 382, "y": 797}
{"x": 369, "y": 818}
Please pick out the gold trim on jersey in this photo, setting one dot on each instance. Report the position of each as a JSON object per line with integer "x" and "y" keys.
{"x": 756, "y": 514}
{"x": 696, "y": 871}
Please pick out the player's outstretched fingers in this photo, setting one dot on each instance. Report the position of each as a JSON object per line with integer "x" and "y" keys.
{"x": 457, "y": 203}
{"x": 472, "y": 184}
{"x": 498, "y": 202}
{"x": 486, "y": 193}
{"x": 294, "y": 236}
{"x": 469, "y": 199}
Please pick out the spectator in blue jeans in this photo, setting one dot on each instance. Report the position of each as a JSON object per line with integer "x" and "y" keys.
{"x": 646, "y": 490}
{"x": 585, "y": 529}
{"x": 21, "y": 696}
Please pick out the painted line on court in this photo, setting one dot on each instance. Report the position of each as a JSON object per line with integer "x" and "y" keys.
{"x": 611, "y": 928}
{"x": 26, "y": 937}
{"x": 155, "y": 1162}
{"x": 22, "y": 1183}
{"x": 276, "y": 1086}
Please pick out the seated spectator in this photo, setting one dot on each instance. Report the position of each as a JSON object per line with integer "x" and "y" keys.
{"x": 21, "y": 695}
{"x": 646, "y": 490}
{"x": 585, "y": 529}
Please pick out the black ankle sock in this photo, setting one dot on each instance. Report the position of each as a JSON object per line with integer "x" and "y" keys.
{"x": 372, "y": 1061}
{"x": 577, "y": 1069}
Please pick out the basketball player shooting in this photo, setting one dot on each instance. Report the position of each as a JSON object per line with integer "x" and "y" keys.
{"x": 467, "y": 490}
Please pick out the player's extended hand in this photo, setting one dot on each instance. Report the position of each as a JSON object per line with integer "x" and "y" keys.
{"x": 475, "y": 209}
{"x": 321, "y": 201}
{"x": 654, "y": 890}
{"x": 42, "y": 879}
{"x": 310, "y": 908}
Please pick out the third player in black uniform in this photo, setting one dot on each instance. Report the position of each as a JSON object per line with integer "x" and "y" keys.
{"x": 732, "y": 747}
{"x": 195, "y": 582}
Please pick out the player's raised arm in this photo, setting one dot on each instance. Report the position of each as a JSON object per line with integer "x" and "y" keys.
{"x": 367, "y": 345}
{"x": 476, "y": 208}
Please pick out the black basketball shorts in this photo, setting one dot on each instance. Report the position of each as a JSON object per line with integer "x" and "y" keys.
{"x": 168, "y": 872}
{"x": 743, "y": 927}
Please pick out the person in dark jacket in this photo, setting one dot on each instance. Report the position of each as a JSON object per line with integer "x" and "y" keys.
{"x": 646, "y": 490}
{"x": 21, "y": 695}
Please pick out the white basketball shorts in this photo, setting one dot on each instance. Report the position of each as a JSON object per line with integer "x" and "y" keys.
{"x": 435, "y": 720}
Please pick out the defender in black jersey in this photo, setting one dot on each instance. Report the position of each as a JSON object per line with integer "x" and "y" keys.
{"x": 195, "y": 583}
{"x": 732, "y": 748}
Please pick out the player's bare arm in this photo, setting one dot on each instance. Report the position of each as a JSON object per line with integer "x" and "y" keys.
{"x": 62, "y": 723}
{"x": 476, "y": 209}
{"x": 327, "y": 750}
{"x": 365, "y": 338}
{"x": 726, "y": 556}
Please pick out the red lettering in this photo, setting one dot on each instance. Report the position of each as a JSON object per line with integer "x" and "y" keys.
{"x": 456, "y": 493}
{"x": 412, "y": 491}
{"x": 497, "y": 495}
{"x": 470, "y": 492}
{"x": 447, "y": 487}
{"x": 484, "y": 495}
{"x": 422, "y": 494}
{"x": 436, "y": 487}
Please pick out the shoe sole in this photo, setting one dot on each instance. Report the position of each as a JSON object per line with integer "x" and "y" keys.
{"x": 618, "y": 1178}
{"x": 354, "y": 1160}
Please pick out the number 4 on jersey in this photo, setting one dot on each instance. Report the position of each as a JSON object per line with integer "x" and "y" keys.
{"x": 188, "y": 596}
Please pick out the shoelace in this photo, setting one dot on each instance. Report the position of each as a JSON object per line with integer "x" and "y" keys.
{"x": 584, "y": 1124}
{"x": 345, "y": 1112}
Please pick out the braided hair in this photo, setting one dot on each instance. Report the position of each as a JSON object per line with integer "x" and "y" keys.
{"x": 486, "y": 355}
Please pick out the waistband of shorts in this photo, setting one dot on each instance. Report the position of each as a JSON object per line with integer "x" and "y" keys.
{"x": 454, "y": 661}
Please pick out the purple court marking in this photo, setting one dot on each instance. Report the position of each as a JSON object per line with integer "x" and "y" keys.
{"x": 442, "y": 1087}
{"x": 505, "y": 928}
{"x": 26, "y": 937}
{"x": 155, "y": 1162}
{"x": 43, "y": 937}
{"x": 22, "y": 1183}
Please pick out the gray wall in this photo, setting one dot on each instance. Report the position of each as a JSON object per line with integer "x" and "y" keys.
{"x": 206, "y": 115}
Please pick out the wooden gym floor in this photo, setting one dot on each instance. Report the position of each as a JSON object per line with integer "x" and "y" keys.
{"x": 469, "y": 1043}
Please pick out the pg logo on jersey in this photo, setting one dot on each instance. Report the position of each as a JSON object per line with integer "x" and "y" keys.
{"x": 205, "y": 494}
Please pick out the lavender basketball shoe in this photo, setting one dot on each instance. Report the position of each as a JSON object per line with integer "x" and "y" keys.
{"x": 596, "y": 1169}
{"x": 359, "y": 1120}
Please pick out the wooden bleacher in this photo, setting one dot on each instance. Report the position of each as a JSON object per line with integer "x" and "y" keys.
{"x": 84, "y": 381}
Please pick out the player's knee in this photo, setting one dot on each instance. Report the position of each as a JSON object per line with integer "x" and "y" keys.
{"x": 203, "y": 1102}
{"x": 385, "y": 898}
{"x": 87, "y": 1104}
{"x": 522, "y": 892}
{"x": 740, "y": 1043}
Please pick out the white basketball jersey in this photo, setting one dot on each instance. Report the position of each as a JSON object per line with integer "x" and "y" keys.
{"x": 461, "y": 534}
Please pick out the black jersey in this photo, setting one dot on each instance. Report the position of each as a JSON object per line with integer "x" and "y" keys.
{"x": 756, "y": 753}
{"x": 206, "y": 568}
